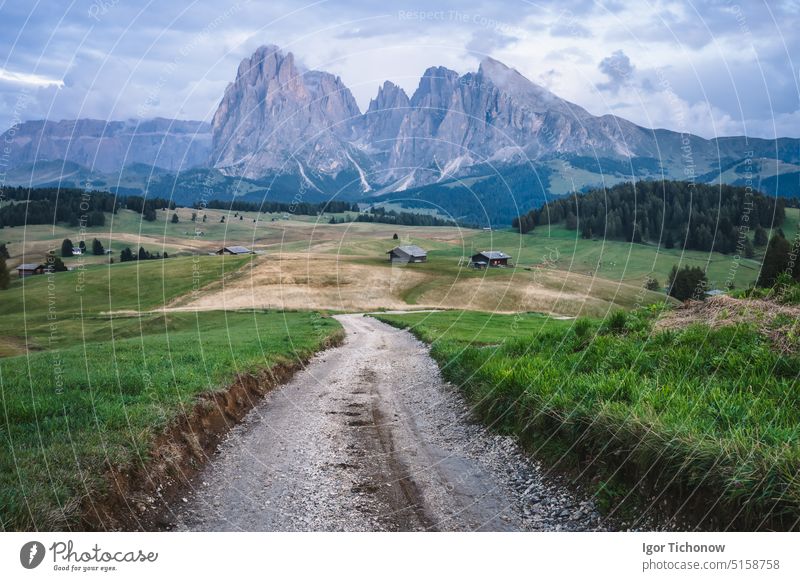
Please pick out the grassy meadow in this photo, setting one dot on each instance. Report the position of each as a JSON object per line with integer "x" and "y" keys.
{"x": 616, "y": 270}
{"x": 711, "y": 416}
{"x": 91, "y": 390}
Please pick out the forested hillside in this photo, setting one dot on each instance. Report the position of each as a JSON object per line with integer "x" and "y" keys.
{"x": 670, "y": 213}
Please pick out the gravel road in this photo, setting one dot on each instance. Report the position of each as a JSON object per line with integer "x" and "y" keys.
{"x": 368, "y": 437}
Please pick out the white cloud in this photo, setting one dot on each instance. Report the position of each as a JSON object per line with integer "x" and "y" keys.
{"x": 28, "y": 79}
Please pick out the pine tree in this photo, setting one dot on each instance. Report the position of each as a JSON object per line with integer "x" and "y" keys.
{"x": 760, "y": 237}
{"x": 687, "y": 283}
{"x": 748, "y": 250}
{"x": 175, "y": 218}
{"x": 66, "y": 248}
{"x": 55, "y": 263}
{"x": 776, "y": 261}
{"x": 97, "y": 248}
{"x": 5, "y": 277}
{"x": 4, "y": 252}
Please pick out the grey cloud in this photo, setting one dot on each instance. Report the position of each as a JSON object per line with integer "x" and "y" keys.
{"x": 570, "y": 29}
{"x": 485, "y": 42}
{"x": 619, "y": 70}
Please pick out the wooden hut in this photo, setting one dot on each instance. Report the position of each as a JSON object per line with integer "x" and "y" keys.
{"x": 407, "y": 253}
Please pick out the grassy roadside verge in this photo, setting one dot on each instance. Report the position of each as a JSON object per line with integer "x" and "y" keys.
{"x": 69, "y": 415}
{"x": 696, "y": 424}
{"x": 84, "y": 393}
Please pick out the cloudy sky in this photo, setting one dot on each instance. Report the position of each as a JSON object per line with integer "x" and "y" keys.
{"x": 714, "y": 67}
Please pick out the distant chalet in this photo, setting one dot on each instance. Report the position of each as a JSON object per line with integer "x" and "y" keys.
{"x": 493, "y": 258}
{"x": 406, "y": 254}
{"x": 31, "y": 269}
{"x": 234, "y": 250}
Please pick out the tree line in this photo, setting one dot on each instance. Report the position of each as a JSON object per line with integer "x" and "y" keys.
{"x": 385, "y": 216}
{"x": 29, "y": 206}
{"x": 299, "y": 208}
{"x": 670, "y": 213}
{"x": 128, "y": 255}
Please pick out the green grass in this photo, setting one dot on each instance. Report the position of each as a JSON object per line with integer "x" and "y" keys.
{"x": 69, "y": 414}
{"x": 707, "y": 416}
{"x": 474, "y": 328}
{"x": 94, "y": 389}
{"x": 613, "y": 260}
{"x": 56, "y": 311}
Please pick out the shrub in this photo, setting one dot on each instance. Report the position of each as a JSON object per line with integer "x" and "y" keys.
{"x": 615, "y": 322}
{"x": 582, "y": 327}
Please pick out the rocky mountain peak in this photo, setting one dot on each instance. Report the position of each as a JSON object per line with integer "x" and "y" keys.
{"x": 390, "y": 96}
{"x": 435, "y": 87}
{"x": 276, "y": 117}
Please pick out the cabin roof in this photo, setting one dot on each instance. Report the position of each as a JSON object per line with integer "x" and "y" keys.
{"x": 237, "y": 249}
{"x": 410, "y": 249}
{"x": 29, "y": 266}
{"x": 493, "y": 254}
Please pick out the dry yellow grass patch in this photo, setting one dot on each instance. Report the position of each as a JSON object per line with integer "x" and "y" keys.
{"x": 300, "y": 280}
{"x": 310, "y": 281}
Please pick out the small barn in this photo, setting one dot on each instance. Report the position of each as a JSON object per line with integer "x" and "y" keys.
{"x": 493, "y": 258}
{"x": 407, "y": 253}
{"x": 234, "y": 250}
{"x": 30, "y": 269}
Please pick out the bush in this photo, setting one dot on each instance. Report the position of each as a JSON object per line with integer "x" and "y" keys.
{"x": 615, "y": 323}
{"x": 689, "y": 282}
{"x": 582, "y": 327}
{"x": 652, "y": 284}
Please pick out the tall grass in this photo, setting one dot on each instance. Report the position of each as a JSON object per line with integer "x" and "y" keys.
{"x": 68, "y": 414}
{"x": 709, "y": 416}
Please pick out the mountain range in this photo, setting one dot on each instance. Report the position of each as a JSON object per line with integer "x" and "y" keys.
{"x": 481, "y": 146}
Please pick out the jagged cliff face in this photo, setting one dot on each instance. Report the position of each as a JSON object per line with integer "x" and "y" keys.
{"x": 107, "y": 146}
{"x": 275, "y": 118}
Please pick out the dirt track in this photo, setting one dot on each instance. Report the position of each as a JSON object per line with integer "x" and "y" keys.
{"x": 368, "y": 437}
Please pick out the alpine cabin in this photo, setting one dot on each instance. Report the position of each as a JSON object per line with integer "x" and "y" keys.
{"x": 489, "y": 258}
{"x": 407, "y": 253}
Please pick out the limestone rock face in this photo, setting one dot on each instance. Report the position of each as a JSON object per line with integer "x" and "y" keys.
{"x": 276, "y": 118}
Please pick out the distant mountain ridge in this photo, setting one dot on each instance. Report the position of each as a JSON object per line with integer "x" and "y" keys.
{"x": 278, "y": 124}
{"x": 107, "y": 146}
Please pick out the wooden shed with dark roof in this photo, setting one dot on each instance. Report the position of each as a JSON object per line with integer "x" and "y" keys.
{"x": 493, "y": 258}
{"x": 30, "y": 269}
{"x": 234, "y": 250}
{"x": 407, "y": 253}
